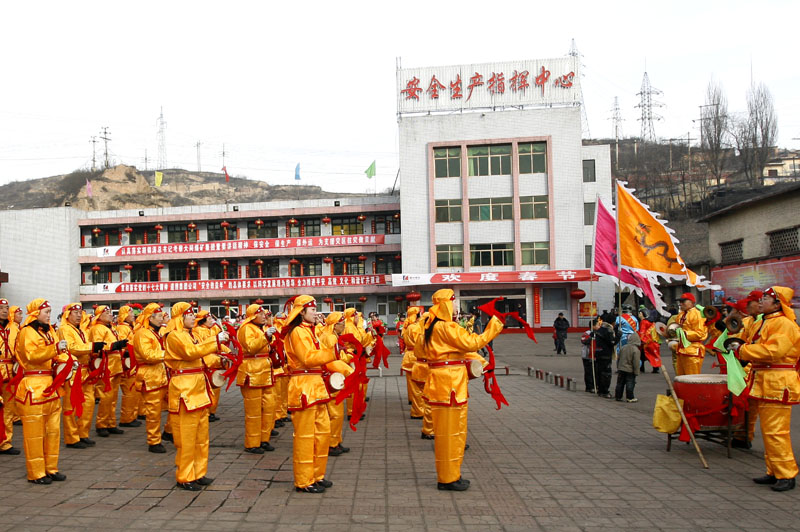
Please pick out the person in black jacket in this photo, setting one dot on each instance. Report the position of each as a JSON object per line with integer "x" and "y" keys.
{"x": 603, "y": 334}
{"x": 561, "y": 325}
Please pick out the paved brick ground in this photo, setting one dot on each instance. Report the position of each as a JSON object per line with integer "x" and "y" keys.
{"x": 552, "y": 460}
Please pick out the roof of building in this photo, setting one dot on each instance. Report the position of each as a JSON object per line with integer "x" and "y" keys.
{"x": 775, "y": 190}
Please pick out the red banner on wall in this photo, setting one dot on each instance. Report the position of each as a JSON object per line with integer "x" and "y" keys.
{"x": 232, "y": 285}
{"x": 737, "y": 281}
{"x": 538, "y": 276}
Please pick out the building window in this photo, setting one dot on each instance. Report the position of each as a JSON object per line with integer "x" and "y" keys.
{"x": 181, "y": 271}
{"x": 772, "y": 172}
{"x": 348, "y": 266}
{"x": 387, "y": 264}
{"x": 587, "y": 256}
{"x": 309, "y": 227}
{"x": 269, "y": 268}
{"x": 731, "y": 251}
{"x": 532, "y": 207}
{"x": 588, "y": 171}
{"x": 783, "y": 242}
{"x": 306, "y": 268}
{"x": 216, "y": 308}
{"x": 217, "y": 232}
{"x": 447, "y": 162}
{"x": 491, "y": 254}
{"x": 143, "y": 235}
{"x": 108, "y": 237}
{"x": 533, "y": 158}
{"x": 588, "y": 213}
{"x": 268, "y": 230}
{"x": 554, "y": 299}
{"x": 535, "y": 253}
{"x": 217, "y": 271}
{"x": 347, "y": 226}
{"x": 144, "y": 273}
{"x": 485, "y": 209}
{"x": 386, "y": 225}
{"x": 450, "y": 256}
{"x": 489, "y": 160}
{"x": 181, "y": 233}
{"x": 448, "y": 210}
{"x": 107, "y": 274}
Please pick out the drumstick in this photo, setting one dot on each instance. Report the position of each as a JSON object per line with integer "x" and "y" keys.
{"x": 683, "y": 416}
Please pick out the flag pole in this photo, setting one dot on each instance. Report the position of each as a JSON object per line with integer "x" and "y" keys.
{"x": 619, "y": 262}
{"x": 591, "y": 295}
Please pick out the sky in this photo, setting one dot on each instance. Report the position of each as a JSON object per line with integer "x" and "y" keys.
{"x": 314, "y": 83}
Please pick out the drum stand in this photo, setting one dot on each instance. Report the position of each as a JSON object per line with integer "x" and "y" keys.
{"x": 721, "y": 435}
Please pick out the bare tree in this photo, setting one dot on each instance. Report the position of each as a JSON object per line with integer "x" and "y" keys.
{"x": 743, "y": 138}
{"x": 715, "y": 130}
{"x": 763, "y": 126}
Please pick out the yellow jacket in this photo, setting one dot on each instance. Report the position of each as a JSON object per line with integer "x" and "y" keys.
{"x": 256, "y": 368}
{"x": 694, "y": 326}
{"x": 305, "y": 353}
{"x": 413, "y": 337}
{"x": 105, "y": 333}
{"x": 182, "y": 353}
{"x": 148, "y": 346}
{"x": 124, "y": 332}
{"x": 36, "y": 352}
{"x": 775, "y": 343}
{"x": 447, "y": 384}
{"x": 201, "y": 333}
{"x": 409, "y": 357}
{"x": 8, "y": 341}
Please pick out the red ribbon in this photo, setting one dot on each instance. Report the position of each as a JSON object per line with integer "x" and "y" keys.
{"x": 490, "y": 381}
{"x": 233, "y": 343}
{"x": 76, "y": 397}
{"x": 381, "y": 353}
{"x": 353, "y": 382}
{"x": 105, "y": 373}
{"x": 489, "y": 309}
{"x": 14, "y": 381}
{"x": 61, "y": 378}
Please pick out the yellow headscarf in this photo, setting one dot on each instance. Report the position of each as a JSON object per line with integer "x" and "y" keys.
{"x": 144, "y": 318}
{"x": 350, "y": 313}
{"x": 12, "y": 311}
{"x": 784, "y": 296}
{"x": 411, "y": 315}
{"x": 299, "y": 303}
{"x": 99, "y": 310}
{"x": 67, "y": 309}
{"x": 124, "y": 312}
{"x": 177, "y": 312}
{"x": 33, "y": 309}
{"x": 250, "y": 313}
{"x": 333, "y": 318}
{"x": 442, "y": 307}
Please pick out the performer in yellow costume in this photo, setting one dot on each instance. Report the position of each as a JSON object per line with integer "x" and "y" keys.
{"x": 308, "y": 395}
{"x": 204, "y": 328}
{"x": 774, "y": 384}
{"x": 447, "y": 347}
{"x": 280, "y": 376}
{"x": 329, "y": 339}
{"x": 151, "y": 374}
{"x": 189, "y": 397}
{"x": 419, "y": 375}
{"x": 254, "y": 379}
{"x": 130, "y": 393}
{"x": 102, "y": 330}
{"x": 8, "y": 339}
{"x": 352, "y": 320}
{"x": 693, "y": 325}
{"x": 37, "y": 348}
{"x": 76, "y": 430}
{"x": 409, "y": 361}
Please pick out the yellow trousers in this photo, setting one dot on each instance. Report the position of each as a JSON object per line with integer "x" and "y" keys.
{"x": 76, "y": 428}
{"x": 107, "y": 409}
{"x": 281, "y": 397}
{"x": 410, "y": 391}
{"x": 153, "y": 404}
{"x": 259, "y": 415}
{"x": 71, "y": 431}
{"x": 689, "y": 365}
{"x": 336, "y": 416}
{"x": 424, "y": 407}
{"x": 131, "y": 397}
{"x": 165, "y": 408}
{"x": 312, "y": 434}
{"x": 775, "y": 422}
{"x": 215, "y": 393}
{"x": 41, "y": 429}
{"x": 450, "y": 426}
{"x": 9, "y": 411}
{"x": 190, "y": 431}
{"x": 417, "y": 402}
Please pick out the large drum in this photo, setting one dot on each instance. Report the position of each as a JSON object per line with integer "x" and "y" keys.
{"x": 704, "y": 396}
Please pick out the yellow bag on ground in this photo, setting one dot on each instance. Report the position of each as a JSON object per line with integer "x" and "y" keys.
{"x": 666, "y": 417}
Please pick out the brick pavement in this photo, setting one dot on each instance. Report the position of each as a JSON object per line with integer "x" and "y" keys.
{"x": 552, "y": 460}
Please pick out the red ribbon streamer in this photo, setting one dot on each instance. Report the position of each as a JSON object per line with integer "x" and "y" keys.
{"x": 381, "y": 353}
{"x": 489, "y": 309}
{"x": 61, "y": 377}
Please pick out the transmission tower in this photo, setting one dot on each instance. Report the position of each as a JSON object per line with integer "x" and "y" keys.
{"x": 646, "y": 104}
{"x": 616, "y": 118}
{"x": 93, "y": 140}
{"x": 162, "y": 142}
{"x": 197, "y": 145}
{"x": 105, "y": 138}
{"x": 573, "y": 52}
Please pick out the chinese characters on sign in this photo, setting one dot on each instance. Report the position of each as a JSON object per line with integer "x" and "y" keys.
{"x": 539, "y": 276}
{"x": 228, "y": 285}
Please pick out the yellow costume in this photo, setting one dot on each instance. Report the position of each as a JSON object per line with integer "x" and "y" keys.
{"x": 151, "y": 375}
{"x": 419, "y": 376}
{"x": 280, "y": 376}
{"x": 107, "y": 409}
{"x": 307, "y": 398}
{"x": 212, "y": 362}
{"x": 189, "y": 397}
{"x": 130, "y": 394}
{"x": 407, "y": 365}
{"x": 8, "y": 339}
{"x": 329, "y": 340}
{"x": 77, "y": 429}
{"x": 352, "y": 320}
{"x": 447, "y": 347}
{"x": 36, "y": 351}
{"x": 254, "y": 379}
{"x": 690, "y": 359}
{"x": 774, "y": 350}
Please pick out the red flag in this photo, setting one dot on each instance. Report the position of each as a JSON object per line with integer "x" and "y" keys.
{"x": 227, "y": 177}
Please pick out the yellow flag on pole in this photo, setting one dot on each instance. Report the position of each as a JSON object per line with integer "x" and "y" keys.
{"x": 159, "y": 177}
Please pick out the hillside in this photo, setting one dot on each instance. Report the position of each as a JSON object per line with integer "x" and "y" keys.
{"x": 124, "y": 187}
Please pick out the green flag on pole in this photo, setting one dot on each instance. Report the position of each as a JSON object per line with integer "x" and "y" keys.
{"x": 370, "y": 171}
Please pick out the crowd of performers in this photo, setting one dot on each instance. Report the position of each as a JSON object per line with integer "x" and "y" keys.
{"x": 299, "y": 363}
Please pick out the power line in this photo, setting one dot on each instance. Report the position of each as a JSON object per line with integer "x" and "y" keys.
{"x": 105, "y": 138}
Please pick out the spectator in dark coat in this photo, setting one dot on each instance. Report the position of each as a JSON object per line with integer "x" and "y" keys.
{"x": 561, "y": 325}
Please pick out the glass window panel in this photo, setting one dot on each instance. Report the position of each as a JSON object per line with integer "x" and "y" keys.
{"x": 454, "y": 167}
{"x": 525, "y": 166}
{"x": 539, "y": 165}
{"x": 441, "y": 167}
{"x": 495, "y": 166}
{"x": 505, "y": 167}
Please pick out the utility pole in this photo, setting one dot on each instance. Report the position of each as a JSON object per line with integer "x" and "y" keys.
{"x": 616, "y": 117}
{"x": 105, "y": 138}
{"x": 145, "y": 159}
{"x": 93, "y": 140}
{"x": 162, "y": 141}
{"x": 197, "y": 145}
{"x": 223, "y": 155}
{"x": 689, "y": 140}
{"x": 647, "y": 104}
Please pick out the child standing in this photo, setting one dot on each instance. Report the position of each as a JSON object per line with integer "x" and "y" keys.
{"x": 628, "y": 366}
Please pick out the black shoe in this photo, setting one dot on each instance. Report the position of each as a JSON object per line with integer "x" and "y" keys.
{"x": 313, "y": 488}
{"x": 97, "y": 400}
{"x": 740, "y": 444}
{"x": 103, "y": 433}
{"x": 426, "y": 436}
{"x": 466, "y": 447}
{"x": 11, "y": 451}
{"x": 57, "y": 477}
{"x": 204, "y": 481}
{"x": 267, "y": 446}
{"x": 189, "y": 486}
{"x": 590, "y": 391}
{"x": 274, "y": 433}
{"x": 334, "y": 451}
{"x": 458, "y": 485}
{"x": 325, "y": 483}
{"x": 417, "y": 417}
{"x": 157, "y": 448}
{"x": 115, "y": 430}
{"x": 618, "y": 399}
{"x": 366, "y": 399}
{"x": 43, "y": 480}
{"x": 783, "y": 484}
{"x": 606, "y": 395}
{"x": 18, "y": 423}
{"x": 88, "y": 442}
{"x": 279, "y": 423}
{"x": 409, "y": 403}
{"x": 133, "y": 423}
{"x": 343, "y": 448}
{"x": 655, "y": 370}
{"x": 141, "y": 418}
{"x": 77, "y": 445}
{"x": 167, "y": 436}
{"x": 254, "y": 450}
{"x": 286, "y": 419}
{"x": 212, "y": 418}
{"x": 766, "y": 479}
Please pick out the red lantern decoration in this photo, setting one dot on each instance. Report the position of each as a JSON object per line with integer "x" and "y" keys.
{"x": 225, "y": 224}
{"x": 259, "y": 223}
{"x": 399, "y": 298}
{"x": 396, "y": 216}
{"x": 293, "y": 221}
{"x": 128, "y": 267}
{"x": 328, "y": 300}
{"x": 294, "y": 262}
{"x": 361, "y": 217}
{"x": 226, "y": 303}
{"x": 95, "y": 268}
{"x": 128, "y": 229}
{"x": 193, "y": 303}
{"x": 327, "y": 260}
{"x": 258, "y": 262}
{"x": 224, "y": 262}
{"x": 94, "y": 306}
{"x": 326, "y": 220}
{"x": 159, "y": 266}
{"x": 192, "y": 263}
{"x": 158, "y": 227}
{"x": 362, "y": 258}
{"x": 96, "y": 231}
{"x": 413, "y": 296}
{"x": 192, "y": 226}
{"x": 259, "y": 301}
{"x": 577, "y": 294}
{"x": 398, "y": 257}
{"x": 363, "y": 299}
